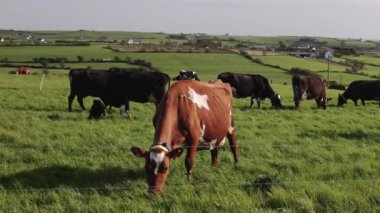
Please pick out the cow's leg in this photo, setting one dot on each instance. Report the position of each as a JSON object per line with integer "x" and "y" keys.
{"x": 122, "y": 111}
{"x": 296, "y": 102}
{"x": 251, "y": 104}
{"x": 355, "y": 102}
{"x": 318, "y": 101}
{"x": 214, "y": 156}
{"x": 71, "y": 98}
{"x": 324, "y": 103}
{"x": 128, "y": 110}
{"x": 192, "y": 148}
{"x": 231, "y": 135}
{"x": 80, "y": 101}
{"x": 363, "y": 102}
{"x": 258, "y": 100}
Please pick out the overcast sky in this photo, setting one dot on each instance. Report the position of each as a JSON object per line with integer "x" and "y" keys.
{"x": 330, "y": 18}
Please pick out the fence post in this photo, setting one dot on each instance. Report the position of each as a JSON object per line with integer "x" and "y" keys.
{"x": 42, "y": 81}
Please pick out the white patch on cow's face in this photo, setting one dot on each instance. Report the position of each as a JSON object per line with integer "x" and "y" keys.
{"x": 199, "y": 100}
{"x": 158, "y": 158}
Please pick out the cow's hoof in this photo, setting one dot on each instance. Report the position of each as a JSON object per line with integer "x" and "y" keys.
{"x": 190, "y": 178}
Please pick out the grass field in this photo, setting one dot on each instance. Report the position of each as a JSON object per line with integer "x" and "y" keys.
{"x": 157, "y": 37}
{"x": 312, "y": 160}
{"x": 289, "y": 62}
{"x": 366, "y": 59}
{"x": 207, "y": 65}
{"x": 318, "y": 66}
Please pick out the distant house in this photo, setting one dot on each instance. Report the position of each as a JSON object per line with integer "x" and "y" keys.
{"x": 320, "y": 52}
{"x": 133, "y": 41}
{"x": 260, "y": 47}
{"x": 40, "y": 41}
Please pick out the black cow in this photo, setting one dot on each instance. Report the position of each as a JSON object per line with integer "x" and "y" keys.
{"x": 363, "y": 90}
{"x": 85, "y": 82}
{"x": 97, "y": 110}
{"x": 309, "y": 87}
{"x": 116, "y": 87}
{"x": 129, "y": 84}
{"x": 186, "y": 75}
{"x": 248, "y": 85}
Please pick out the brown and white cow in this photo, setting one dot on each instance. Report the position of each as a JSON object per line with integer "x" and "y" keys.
{"x": 192, "y": 115}
{"x": 309, "y": 87}
{"x": 24, "y": 71}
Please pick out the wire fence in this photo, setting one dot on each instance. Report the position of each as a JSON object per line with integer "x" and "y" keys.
{"x": 36, "y": 74}
{"x": 250, "y": 146}
{"x": 246, "y": 185}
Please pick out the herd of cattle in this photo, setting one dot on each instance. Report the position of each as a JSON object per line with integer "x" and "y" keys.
{"x": 116, "y": 87}
{"x": 192, "y": 114}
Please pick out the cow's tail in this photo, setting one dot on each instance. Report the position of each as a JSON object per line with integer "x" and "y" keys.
{"x": 167, "y": 80}
{"x": 70, "y": 78}
{"x": 296, "y": 89}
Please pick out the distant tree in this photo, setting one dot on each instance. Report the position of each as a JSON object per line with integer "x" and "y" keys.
{"x": 80, "y": 58}
{"x": 103, "y": 38}
{"x": 282, "y": 45}
{"x": 44, "y": 62}
{"x": 116, "y": 58}
{"x": 62, "y": 64}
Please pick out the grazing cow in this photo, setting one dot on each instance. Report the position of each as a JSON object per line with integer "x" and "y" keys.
{"x": 116, "y": 87}
{"x": 97, "y": 109}
{"x": 192, "y": 115}
{"x": 84, "y": 82}
{"x": 254, "y": 86}
{"x": 126, "y": 85}
{"x": 186, "y": 75}
{"x": 24, "y": 71}
{"x": 309, "y": 87}
{"x": 363, "y": 90}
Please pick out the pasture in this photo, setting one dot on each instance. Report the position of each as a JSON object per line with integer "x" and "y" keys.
{"x": 306, "y": 160}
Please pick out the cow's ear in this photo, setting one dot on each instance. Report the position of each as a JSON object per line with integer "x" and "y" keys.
{"x": 175, "y": 153}
{"x": 139, "y": 152}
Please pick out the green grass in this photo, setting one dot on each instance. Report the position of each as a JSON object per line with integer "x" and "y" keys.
{"x": 318, "y": 160}
{"x": 208, "y": 65}
{"x": 366, "y": 59}
{"x": 360, "y": 44}
{"x": 371, "y": 70}
{"x": 289, "y": 62}
{"x": 318, "y": 66}
{"x": 27, "y": 53}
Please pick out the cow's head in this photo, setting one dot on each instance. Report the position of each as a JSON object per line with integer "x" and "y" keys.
{"x": 186, "y": 75}
{"x": 97, "y": 109}
{"x": 276, "y": 100}
{"x": 341, "y": 100}
{"x": 157, "y": 161}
